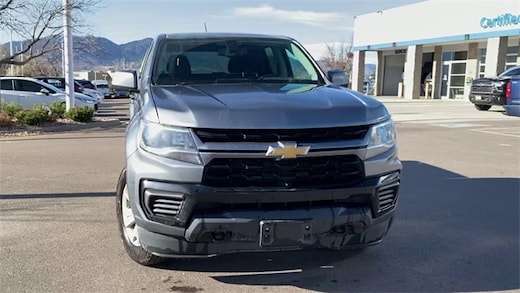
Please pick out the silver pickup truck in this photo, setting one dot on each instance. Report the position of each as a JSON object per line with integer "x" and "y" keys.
{"x": 239, "y": 142}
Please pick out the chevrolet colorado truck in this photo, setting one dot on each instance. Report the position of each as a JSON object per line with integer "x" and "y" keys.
{"x": 239, "y": 142}
{"x": 490, "y": 91}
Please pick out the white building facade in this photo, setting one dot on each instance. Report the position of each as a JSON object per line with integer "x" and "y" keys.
{"x": 435, "y": 48}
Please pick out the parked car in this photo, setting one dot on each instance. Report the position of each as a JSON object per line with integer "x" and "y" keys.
{"x": 90, "y": 89}
{"x": 490, "y": 91}
{"x": 103, "y": 87}
{"x": 59, "y": 82}
{"x": 513, "y": 102}
{"x": 28, "y": 92}
{"x": 239, "y": 142}
{"x": 121, "y": 93}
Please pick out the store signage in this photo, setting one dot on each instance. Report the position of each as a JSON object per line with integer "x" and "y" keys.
{"x": 506, "y": 19}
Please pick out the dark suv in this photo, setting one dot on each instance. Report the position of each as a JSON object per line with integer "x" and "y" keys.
{"x": 489, "y": 91}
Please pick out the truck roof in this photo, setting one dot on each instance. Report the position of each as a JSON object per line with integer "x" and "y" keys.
{"x": 216, "y": 35}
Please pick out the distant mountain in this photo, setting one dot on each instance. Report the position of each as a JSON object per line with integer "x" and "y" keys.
{"x": 135, "y": 50}
{"x": 95, "y": 53}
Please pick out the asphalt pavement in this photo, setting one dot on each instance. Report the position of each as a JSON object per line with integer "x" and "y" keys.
{"x": 456, "y": 228}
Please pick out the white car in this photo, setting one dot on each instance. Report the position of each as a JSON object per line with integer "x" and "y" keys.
{"x": 94, "y": 94}
{"x": 88, "y": 88}
{"x": 102, "y": 87}
{"x": 28, "y": 92}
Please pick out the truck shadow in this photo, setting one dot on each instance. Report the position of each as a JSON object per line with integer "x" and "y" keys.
{"x": 57, "y": 195}
{"x": 451, "y": 233}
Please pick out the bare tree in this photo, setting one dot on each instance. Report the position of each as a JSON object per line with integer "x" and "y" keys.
{"x": 339, "y": 56}
{"x": 39, "y": 23}
{"x": 41, "y": 67}
{"x": 122, "y": 64}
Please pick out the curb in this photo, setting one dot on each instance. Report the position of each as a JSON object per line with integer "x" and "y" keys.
{"x": 34, "y": 130}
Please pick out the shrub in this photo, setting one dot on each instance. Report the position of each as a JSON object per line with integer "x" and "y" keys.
{"x": 58, "y": 109}
{"x": 32, "y": 116}
{"x": 41, "y": 107}
{"x": 11, "y": 108}
{"x": 80, "y": 114}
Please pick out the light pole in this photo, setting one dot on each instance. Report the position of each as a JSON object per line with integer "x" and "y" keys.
{"x": 67, "y": 52}
{"x": 11, "y": 51}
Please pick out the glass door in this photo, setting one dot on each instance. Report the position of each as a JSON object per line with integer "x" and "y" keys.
{"x": 457, "y": 79}
{"x": 445, "y": 74}
{"x": 453, "y": 79}
{"x": 453, "y": 74}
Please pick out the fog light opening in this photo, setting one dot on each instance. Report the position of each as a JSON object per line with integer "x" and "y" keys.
{"x": 218, "y": 236}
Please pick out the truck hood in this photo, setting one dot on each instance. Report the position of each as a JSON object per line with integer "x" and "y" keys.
{"x": 491, "y": 79}
{"x": 264, "y": 105}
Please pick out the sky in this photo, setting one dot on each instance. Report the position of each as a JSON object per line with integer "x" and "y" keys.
{"x": 314, "y": 23}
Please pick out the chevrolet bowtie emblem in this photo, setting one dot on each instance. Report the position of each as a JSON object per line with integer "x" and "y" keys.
{"x": 287, "y": 150}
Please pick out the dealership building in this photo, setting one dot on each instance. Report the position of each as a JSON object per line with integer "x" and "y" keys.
{"x": 434, "y": 49}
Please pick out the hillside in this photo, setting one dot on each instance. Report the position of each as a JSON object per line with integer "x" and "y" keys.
{"x": 94, "y": 53}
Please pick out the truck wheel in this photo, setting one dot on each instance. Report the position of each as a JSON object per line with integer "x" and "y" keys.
{"x": 127, "y": 227}
{"x": 482, "y": 107}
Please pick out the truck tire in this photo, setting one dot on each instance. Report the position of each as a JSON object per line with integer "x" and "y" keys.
{"x": 126, "y": 223}
{"x": 482, "y": 107}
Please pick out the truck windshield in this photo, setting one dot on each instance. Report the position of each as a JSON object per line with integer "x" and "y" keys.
{"x": 232, "y": 60}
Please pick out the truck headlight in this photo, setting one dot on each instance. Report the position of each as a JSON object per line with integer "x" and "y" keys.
{"x": 499, "y": 85}
{"x": 170, "y": 142}
{"x": 382, "y": 138}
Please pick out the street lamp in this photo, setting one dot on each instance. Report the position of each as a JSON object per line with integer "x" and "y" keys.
{"x": 11, "y": 51}
{"x": 67, "y": 60}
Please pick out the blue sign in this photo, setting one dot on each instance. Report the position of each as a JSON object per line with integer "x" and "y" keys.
{"x": 505, "y": 19}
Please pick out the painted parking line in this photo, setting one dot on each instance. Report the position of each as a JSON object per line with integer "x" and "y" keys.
{"x": 459, "y": 125}
{"x": 503, "y": 131}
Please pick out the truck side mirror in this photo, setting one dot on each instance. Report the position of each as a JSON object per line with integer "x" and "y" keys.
{"x": 124, "y": 80}
{"x": 45, "y": 91}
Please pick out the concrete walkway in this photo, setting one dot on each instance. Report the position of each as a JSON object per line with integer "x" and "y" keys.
{"x": 396, "y": 99}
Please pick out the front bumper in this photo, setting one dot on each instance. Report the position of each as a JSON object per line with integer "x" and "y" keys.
{"x": 177, "y": 216}
{"x": 176, "y": 220}
{"x": 333, "y": 228}
{"x": 487, "y": 99}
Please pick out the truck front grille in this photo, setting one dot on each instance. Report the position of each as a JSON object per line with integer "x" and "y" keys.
{"x": 273, "y": 135}
{"x": 299, "y": 172}
{"x": 482, "y": 88}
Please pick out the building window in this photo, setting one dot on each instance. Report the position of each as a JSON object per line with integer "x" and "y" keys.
{"x": 511, "y": 57}
{"x": 459, "y": 55}
{"x": 482, "y": 62}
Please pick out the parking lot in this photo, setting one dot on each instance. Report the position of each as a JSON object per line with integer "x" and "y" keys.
{"x": 457, "y": 225}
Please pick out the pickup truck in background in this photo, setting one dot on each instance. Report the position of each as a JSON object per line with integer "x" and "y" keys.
{"x": 513, "y": 103}
{"x": 492, "y": 91}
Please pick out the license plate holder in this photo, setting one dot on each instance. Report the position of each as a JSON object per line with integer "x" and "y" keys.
{"x": 285, "y": 233}
{"x": 478, "y": 98}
